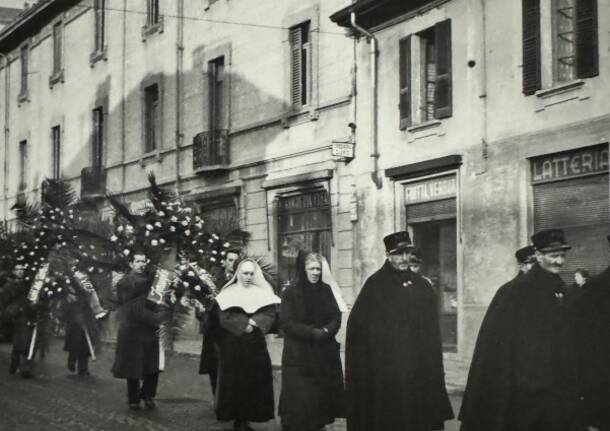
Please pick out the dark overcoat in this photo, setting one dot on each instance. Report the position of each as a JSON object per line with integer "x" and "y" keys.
{"x": 137, "y": 347}
{"x": 20, "y": 312}
{"x": 524, "y": 361}
{"x": 592, "y": 337}
{"x": 77, "y": 316}
{"x": 245, "y": 383}
{"x": 394, "y": 364}
{"x": 312, "y": 376}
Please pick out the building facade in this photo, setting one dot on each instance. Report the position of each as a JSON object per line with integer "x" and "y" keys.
{"x": 492, "y": 124}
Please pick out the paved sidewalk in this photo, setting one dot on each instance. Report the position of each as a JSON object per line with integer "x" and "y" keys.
{"x": 59, "y": 400}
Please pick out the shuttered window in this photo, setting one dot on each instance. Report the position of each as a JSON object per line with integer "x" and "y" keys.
{"x": 23, "y": 164}
{"x": 216, "y": 103}
{"x": 152, "y": 12}
{"x": 57, "y": 47}
{"x": 56, "y": 151}
{"x": 24, "y": 60}
{"x": 434, "y": 95}
{"x": 587, "y": 56}
{"x": 300, "y": 65}
{"x": 531, "y": 46}
{"x": 97, "y": 153}
{"x": 404, "y": 71}
{"x": 580, "y": 207}
{"x": 151, "y": 117}
{"x": 99, "y": 10}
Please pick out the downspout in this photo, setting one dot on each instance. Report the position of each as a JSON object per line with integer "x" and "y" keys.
{"x": 374, "y": 126}
{"x": 179, "y": 70}
{"x": 483, "y": 95}
{"x": 7, "y": 99}
{"x": 123, "y": 98}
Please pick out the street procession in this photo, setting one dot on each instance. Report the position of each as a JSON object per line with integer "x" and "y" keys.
{"x": 313, "y": 215}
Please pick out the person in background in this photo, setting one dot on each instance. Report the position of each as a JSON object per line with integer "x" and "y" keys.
{"x": 581, "y": 277}
{"x": 245, "y": 312}
{"x": 312, "y": 378}
{"x": 137, "y": 347}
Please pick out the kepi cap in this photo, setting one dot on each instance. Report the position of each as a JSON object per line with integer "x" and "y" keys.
{"x": 526, "y": 254}
{"x": 397, "y": 241}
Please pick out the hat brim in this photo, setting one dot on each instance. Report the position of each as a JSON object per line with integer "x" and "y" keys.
{"x": 401, "y": 248}
{"x": 554, "y": 248}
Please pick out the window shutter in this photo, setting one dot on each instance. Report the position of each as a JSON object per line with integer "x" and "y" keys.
{"x": 587, "y": 62}
{"x": 404, "y": 76}
{"x": 296, "y": 77}
{"x": 443, "y": 88}
{"x": 531, "y": 46}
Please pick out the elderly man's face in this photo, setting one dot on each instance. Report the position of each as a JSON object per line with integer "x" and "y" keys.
{"x": 400, "y": 259}
{"x": 551, "y": 261}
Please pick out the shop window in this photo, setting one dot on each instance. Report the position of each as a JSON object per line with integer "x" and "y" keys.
{"x": 304, "y": 222}
{"x": 425, "y": 91}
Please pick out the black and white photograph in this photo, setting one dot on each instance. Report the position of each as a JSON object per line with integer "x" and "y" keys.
{"x": 305, "y": 215}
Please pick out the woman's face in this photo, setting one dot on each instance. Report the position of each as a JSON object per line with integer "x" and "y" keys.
{"x": 313, "y": 270}
{"x": 580, "y": 280}
{"x": 246, "y": 273}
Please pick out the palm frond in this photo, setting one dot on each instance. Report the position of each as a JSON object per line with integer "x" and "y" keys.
{"x": 121, "y": 210}
{"x": 173, "y": 321}
{"x": 158, "y": 195}
{"x": 58, "y": 194}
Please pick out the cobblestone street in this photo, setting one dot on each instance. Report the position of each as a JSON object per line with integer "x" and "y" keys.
{"x": 57, "y": 400}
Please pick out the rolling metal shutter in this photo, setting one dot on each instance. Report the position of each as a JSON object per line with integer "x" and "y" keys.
{"x": 580, "y": 207}
{"x": 428, "y": 211}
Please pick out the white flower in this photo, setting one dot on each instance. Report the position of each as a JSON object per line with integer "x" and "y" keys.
{"x": 185, "y": 284}
{"x": 172, "y": 229}
{"x": 211, "y": 241}
{"x": 158, "y": 224}
{"x": 114, "y": 238}
{"x": 126, "y": 252}
{"x": 213, "y": 259}
{"x": 194, "y": 242}
{"x": 50, "y": 292}
{"x": 162, "y": 241}
{"x": 185, "y": 223}
{"x": 31, "y": 253}
{"x": 174, "y": 219}
{"x": 149, "y": 227}
{"x": 222, "y": 253}
{"x": 187, "y": 232}
{"x": 214, "y": 252}
{"x": 197, "y": 288}
{"x": 59, "y": 289}
{"x": 161, "y": 214}
{"x": 120, "y": 229}
{"x": 54, "y": 283}
{"x": 215, "y": 236}
{"x": 226, "y": 245}
{"x": 91, "y": 247}
{"x": 91, "y": 269}
{"x": 191, "y": 273}
{"x": 64, "y": 243}
{"x": 154, "y": 243}
{"x": 129, "y": 228}
{"x": 200, "y": 251}
{"x": 46, "y": 289}
{"x": 147, "y": 233}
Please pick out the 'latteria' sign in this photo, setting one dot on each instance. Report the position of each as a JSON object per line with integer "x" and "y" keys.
{"x": 569, "y": 164}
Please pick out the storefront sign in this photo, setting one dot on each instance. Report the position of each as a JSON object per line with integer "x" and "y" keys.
{"x": 569, "y": 164}
{"x": 430, "y": 190}
{"x": 343, "y": 149}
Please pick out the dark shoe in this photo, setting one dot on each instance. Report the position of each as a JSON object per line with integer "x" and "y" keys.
{"x": 149, "y": 403}
{"x": 83, "y": 373}
{"x": 134, "y": 406}
{"x": 12, "y": 370}
{"x": 71, "y": 365}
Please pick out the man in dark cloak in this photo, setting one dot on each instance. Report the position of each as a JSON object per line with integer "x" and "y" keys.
{"x": 137, "y": 347}
{"x": 592, "y": 335}
{"x": 394, "y": 365}
{"x": 522, "y": 377}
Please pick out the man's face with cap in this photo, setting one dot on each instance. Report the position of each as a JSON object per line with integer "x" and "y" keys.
{"x": 526, "y": 266}
{"x": 399, "y": 259}
{"x": 551, "y": 261}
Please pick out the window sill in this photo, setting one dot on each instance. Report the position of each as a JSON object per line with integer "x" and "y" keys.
{"x": 99, "y": 55}
{"x": 155, "y": 156}
{"x": 150, "y": 29}
{"x": 424, "y": 130}
{"x": 300, "y": 115}
{"x": 561, "y": 93}
{"x": 57, "y": 77}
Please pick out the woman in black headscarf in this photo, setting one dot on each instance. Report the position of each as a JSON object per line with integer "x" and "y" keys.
{"x": 312, "y": 378}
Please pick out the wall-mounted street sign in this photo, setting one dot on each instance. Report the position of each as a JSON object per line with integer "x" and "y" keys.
{"x": 343, "y": 149}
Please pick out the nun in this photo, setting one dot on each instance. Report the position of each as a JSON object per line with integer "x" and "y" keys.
{"x": 245, "y": 312}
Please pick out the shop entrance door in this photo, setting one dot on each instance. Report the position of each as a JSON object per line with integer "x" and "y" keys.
{"x": 436, "y": 241}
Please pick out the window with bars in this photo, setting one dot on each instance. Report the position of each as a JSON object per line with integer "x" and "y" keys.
{"x": 152, "y": 13}
{"x": 56, "y": 151}
{"x": 99, "y": 14}
{"x": 575, "y": 42}
{"x": 24, "y": 62}
{"x": 425, "y": 84}
{"x": 23, "y": 164}
{"x": 300, "y": 65}
{"x": 97, "y": 148}
{"x": 57, "y": 47}
{"x": 152, "y": 117}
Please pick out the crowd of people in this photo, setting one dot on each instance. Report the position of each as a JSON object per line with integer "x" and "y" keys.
{"x": 540, "y": 361}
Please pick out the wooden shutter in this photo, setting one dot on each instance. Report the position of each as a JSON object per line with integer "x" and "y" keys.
{"x": 404, "y": 77}
{"x": 296, "y": 77}
{"x": 443, "y": 88}
{"x": 587, "y": 60}
{"x": 531, "y": 46}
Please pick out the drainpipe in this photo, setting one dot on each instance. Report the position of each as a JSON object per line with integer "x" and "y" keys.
{"x": 179, "y": 68}
{"x": 374, "y": 126}
{"x": 7, "y": 99}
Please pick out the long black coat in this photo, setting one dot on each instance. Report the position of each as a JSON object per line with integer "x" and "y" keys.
{"x": 245, "y": 381}
{"x": 20, "y": 312}
{"x": 77, "y": 316}
{"x": 312, "y": 377}
{"x": 592, "y": 336}
{"x": 523, "y": 357}
{"x": 394, "y": 365}
{"x": 137, "y": 347}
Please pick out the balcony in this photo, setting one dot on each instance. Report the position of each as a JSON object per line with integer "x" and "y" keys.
{"x": 92, "y": 183}
{"x": 211, "y": 151}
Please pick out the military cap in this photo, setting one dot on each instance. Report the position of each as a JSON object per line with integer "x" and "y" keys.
{"x": 397, "y": 241}
{"x": 526, "y": 254}
{"x": 548, "y": 240}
